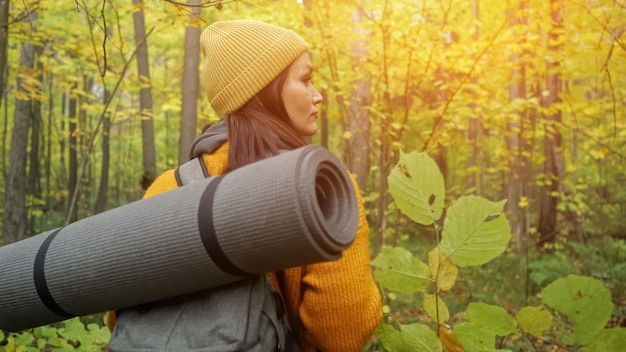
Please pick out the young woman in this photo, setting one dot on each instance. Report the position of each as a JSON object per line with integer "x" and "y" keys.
{"x": 258, "y": 78}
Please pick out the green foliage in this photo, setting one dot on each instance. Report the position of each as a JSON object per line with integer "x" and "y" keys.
{"x": 490, "y": 319}
{"x": 584, "y": 301}
{"x": 534, "y": 320}
{"x": 417, "y": 186}
{"x": 410, "y": 338}
{"x": 608, "y": 340}
{"x": 399, "y": 271}
{"x": 475, "y": 231}
{"x": 574, "y": 309}
{"x": 71, "y": 335}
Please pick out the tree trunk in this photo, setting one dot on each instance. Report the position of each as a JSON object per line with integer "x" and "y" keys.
{"x": 440, "y": 151}
{"x": 101, "y": 199}
{"x": 360, "y": 97}
{"x": 552, "y": 143}
{"x": 145, "y": 97}
{"x": 473, "y": 168}
{"x": 324, "y": 120}
{"x": 517, "y": 91}
{"x": 514, "y": 138}
{"x": 33, "y": 187}
{"x": 4, "y": 42}
{"x": 190, "y": 83}
{"x": 15, "y": 218}
{"x": 72, "y": 114}
{"x": 48, "y": 139}
{"x": 384, "y": 160}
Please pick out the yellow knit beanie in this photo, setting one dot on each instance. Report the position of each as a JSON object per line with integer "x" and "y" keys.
{"x": 241, "y": 57}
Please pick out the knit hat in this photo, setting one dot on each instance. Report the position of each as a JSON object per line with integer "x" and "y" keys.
{"x": 241, "y": 57}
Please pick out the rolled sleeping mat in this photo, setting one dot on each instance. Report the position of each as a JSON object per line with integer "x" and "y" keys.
{"x": 290, "y": 210}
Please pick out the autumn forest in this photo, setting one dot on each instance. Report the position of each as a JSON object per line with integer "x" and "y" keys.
{"x": 519, "y": 101}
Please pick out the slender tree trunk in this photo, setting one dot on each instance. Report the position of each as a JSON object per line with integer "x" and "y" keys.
{"x": 85, "y": 181}
{"x": 471, "y": 184}
{"x": 515, "y": 143}
{"x": 517, "y": 91}
{"x": 48, "y": 158}
{"x": 15, "y": 215}
{"x": 360, "y": 98}
{"x": 33, "y": 187}
{"x": 552, "y": 143}
{"x": 101, "y": 200}
{"x": 4, "y": 41}
{"x": 72, "y": 114}
{"x": 145, "y": 97}
{"x": 324, "y": 120}
{"x": 62, "y": 178}
{"x": 384, "y": 158}
{"x": 190, "y": 84}
{"x": 5, "y": 128}
{"x": 440, "y": 152}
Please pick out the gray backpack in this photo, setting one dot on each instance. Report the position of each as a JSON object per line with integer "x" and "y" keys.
{"x": 246, "y": 315}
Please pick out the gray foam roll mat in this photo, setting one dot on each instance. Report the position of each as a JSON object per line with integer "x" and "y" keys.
{"x": 293, "y": 209}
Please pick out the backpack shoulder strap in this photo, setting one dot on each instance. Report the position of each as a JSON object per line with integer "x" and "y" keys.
{"x": 191, "y": 171}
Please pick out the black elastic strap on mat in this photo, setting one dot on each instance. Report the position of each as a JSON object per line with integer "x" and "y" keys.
{"x": 40, "y": 278}
{"x": 207, "y": 231}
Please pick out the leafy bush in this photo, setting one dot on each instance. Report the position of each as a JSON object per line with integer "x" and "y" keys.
{"x": 71, "y": 335}
{"x": 571, "y": 311}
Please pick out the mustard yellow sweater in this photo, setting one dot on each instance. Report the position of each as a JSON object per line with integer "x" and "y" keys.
{"x": 338, "y": 302}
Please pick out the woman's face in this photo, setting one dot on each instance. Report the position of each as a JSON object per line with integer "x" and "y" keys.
{"x": 300, "y": 96}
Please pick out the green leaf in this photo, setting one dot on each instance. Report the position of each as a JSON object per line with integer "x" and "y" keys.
{"x": 41, "y": 343}
{"x": 398, "y": 270}
{"x": 607, "y": 340}
{"x": 584, "y": 301}
{"x": 101, "y": 334}
{"x": 75, "y": 331}
{"x": 491, "y": 319}
{"x": 534, "y": 320}
{"x": 44, "y": 331}
{"x": 473, "y": 338}
{"x": 55, "y": 341}
{"x": 24, "y": 339}
{"x": 417, "y": 186}
{"x": 475, "y": 231}
{"x": 420, "y": 337}
{"x": 391, "y": 338}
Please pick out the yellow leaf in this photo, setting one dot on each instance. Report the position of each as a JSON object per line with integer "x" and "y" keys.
{"x": 20, "y": 95}
{"x": 442, "y": 270}
{"x": 523, "y": 202}
{"x": 449, "y": 343}
{"x": 77, "y": 133}
{"x": 195, "y": 22}
{"x": 436, "y": 308}
{"x": 347, "y": 135}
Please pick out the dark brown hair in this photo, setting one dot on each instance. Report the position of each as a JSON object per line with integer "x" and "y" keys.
{"x": 261, "y": 128}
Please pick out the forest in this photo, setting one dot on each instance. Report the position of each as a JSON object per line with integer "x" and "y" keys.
{"x": 509, "y": 114}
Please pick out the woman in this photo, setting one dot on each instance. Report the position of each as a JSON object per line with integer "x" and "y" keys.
{"x": 257, "y": 77}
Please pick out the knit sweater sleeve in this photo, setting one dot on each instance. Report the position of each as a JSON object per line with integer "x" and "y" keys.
{"x": 341, "y": 304}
